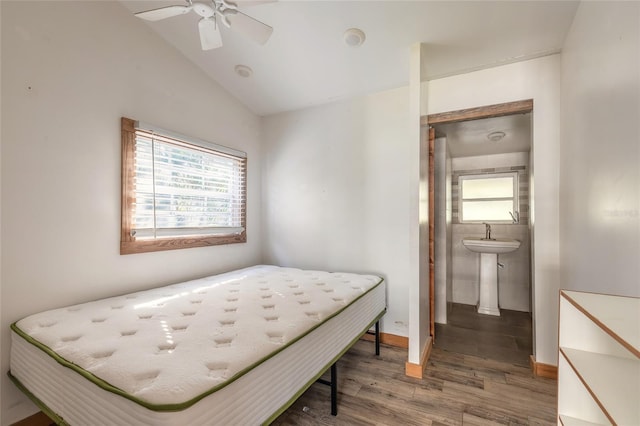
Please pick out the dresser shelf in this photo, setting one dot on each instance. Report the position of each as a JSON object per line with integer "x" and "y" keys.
{"x": 572, "y": 421}
{"x": 599, "y": 359}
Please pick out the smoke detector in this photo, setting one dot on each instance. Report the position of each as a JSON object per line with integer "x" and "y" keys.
{"x": 496, "y": 136}
{"x": 243, "y": 71}
{"x": 354, "y": 37}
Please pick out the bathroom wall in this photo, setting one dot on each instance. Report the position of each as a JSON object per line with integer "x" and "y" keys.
{"x": 514, "y": 279}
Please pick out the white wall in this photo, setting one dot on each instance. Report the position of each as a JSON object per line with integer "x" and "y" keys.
{"x": 418, "y": 154}
{"x": 600, "y": 153}
{"x": 346, "y": 166}
{"x": 537, "y": 79}
{"x": 336, "y": 192}
{"x": 67, "y": 78}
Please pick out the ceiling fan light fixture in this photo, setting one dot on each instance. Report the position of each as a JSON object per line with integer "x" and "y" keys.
{"x": 243, "y": 71}
{"x": 354, "y": 37}
{"x": 496, "y": 136}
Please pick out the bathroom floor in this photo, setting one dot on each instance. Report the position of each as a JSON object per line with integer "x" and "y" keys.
{"x": 506, "y": 338}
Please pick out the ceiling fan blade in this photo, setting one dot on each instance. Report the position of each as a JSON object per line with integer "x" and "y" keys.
{"x": 163, "y": 12}
{"x": 245, "y": 24}
{"x": 246, "y": 3}
{"x": 210, "y": 37}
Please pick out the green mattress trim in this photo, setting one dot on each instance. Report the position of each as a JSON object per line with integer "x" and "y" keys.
{"x": 186, "y": 404}
{"x": 41, "y": 405}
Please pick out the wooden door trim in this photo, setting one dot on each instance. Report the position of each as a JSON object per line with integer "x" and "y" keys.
{"x": 487, "y": 111}
{"x": 432, "y": 237}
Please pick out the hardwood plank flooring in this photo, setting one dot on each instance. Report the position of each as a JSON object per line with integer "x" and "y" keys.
{"x": 458, "y": 389}
{"x": 38, "y": 419}
{"x": 505, "y": 338}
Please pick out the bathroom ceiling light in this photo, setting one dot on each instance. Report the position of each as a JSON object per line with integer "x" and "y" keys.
{"x": 243, "y": 71}
{"x": 354, "y": 37}
{"x": 496, "y": 136}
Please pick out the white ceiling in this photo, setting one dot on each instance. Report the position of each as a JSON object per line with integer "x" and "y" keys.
{"x": 307, "y": 63}
{"x": 469, "y": 138}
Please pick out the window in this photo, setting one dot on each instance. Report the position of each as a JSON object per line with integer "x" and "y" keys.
{"x": 179, "y": 192}
{"x": 488, "y": 198}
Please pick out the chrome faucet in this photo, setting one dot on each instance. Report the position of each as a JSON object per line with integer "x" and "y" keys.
{"x": 487, "y": 231}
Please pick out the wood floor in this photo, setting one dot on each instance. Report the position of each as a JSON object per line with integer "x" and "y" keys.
{"x": 458, "y": 389}
{"x": 505, "y": 338}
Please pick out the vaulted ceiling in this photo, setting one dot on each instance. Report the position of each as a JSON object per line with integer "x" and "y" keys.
{"x": 306, "y": 61}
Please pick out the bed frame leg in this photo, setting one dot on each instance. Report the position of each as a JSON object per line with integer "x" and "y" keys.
{"x": 334, "y": 390}
{"x": 377, "y": 338}
{"x": 334, "y": 374}
{"x": 376, "y": 333}
{"x": 333, "y": 383}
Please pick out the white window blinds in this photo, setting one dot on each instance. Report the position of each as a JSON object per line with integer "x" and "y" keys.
{"x": 184, "y": 188}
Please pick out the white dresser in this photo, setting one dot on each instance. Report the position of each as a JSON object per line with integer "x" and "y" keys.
{"x": 599, "y": 359}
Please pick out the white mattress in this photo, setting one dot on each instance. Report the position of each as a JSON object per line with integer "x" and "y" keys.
{"x": 236, "y": 348}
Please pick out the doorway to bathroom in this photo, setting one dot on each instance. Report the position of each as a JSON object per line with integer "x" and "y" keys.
{"x": 481, "y": 181}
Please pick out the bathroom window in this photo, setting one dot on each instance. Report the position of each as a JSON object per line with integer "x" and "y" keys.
{"x": 488, "y": 197}
{"x": 179, "y": 192}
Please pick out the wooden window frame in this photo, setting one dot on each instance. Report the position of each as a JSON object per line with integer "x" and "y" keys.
{"x": 128, "y": 243}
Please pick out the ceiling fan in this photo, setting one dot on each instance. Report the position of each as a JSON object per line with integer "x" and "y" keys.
{"x": 212, "y": 13}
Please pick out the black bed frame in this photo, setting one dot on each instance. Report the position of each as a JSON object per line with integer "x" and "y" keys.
{"x": 333, "y": 383}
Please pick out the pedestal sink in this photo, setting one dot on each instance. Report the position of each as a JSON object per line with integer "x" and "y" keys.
{"x": 489, "y": 250}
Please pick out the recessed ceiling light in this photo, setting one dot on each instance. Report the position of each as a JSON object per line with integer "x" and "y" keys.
{"x": 496, "y": 136}
{"x": 354, "y": 37}
{"x": 243, "y": 71}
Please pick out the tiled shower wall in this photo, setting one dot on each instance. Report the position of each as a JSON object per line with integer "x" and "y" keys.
{"x": 514, "y": 288}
